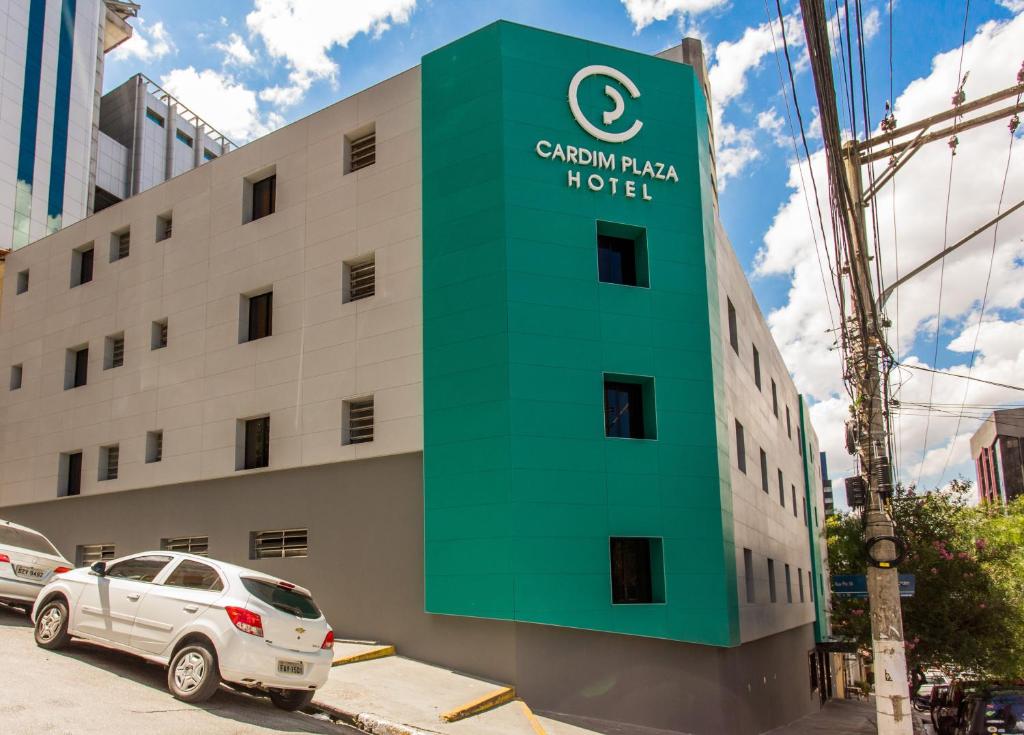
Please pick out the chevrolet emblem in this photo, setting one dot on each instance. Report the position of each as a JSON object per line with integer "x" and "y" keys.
{"x": 300, "y": 631}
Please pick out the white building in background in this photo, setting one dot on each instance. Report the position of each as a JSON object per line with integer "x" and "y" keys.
{"x": 146, "y": 136}
{"x": 51, "y": 79}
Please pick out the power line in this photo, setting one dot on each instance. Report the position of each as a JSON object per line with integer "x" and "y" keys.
{"x": 958, "y": 375}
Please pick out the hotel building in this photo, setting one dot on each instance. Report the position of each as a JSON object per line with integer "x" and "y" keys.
{"x": 469, "y": 355}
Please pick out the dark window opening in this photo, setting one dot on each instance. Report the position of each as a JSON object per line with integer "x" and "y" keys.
{"x": 164, "y": 227}
{"x": 71, "y": 474}
{"x": 775, "y": 399}
{"x": 782, "y": 490}
{"x": 789, "y": 585}
{"x": 625, "y": 414}
{"x": 757, "y": 368}
{"x": 261, "y": 314}
{"x": 734, "y": 339}
{"x": 158, "y": 335}
{"x": 81, "y": 266}
{"x": 109, "y": 460}
{"x": 120, "y": 245}
{"x": 810, "y": 586}
{"x": 741, "y": 449}
{"x": 764, "y": 472}
{"x": 748, "y": 574}
{"x": 257, "y": 443}
{"x": 264, "y": 197}
{"x": 637, "y": 571}
{"x": 622, "y": 254}
{"x": 113, "y": 356}
{"x": 793, "y": 487}
{"x": 154, "y": 116}
{"x": 789, "y": 428}
{"x": 154, "y": 446}
{"x": 800, "y": 582}
{"x": 77, "y": 369}
{"x": 16, "y": 373}
{"x": 771, "y": 581}
{"x": 22, "y": 286}
{"x": 208, "y": 154}
{"x": 183, "y": 137}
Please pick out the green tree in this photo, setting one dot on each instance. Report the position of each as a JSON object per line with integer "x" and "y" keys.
{"x": 967, "y": 613}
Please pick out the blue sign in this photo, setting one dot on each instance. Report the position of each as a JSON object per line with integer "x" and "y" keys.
{"x": 856, "y": 585}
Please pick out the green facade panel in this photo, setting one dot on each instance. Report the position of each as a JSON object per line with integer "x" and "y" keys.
{"x": 522, "y": 488}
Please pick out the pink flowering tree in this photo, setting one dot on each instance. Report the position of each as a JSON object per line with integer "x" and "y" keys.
{"x": 967, "y": 614}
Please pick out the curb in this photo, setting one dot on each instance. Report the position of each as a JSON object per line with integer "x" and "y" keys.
{"x": 538, "y": 728}
{"x": 381, "y": 652}
{"x": 481, "y": 704}
{"x": 369, "y": 723}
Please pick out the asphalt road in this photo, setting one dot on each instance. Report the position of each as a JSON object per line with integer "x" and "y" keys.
{"x": 91, "y": 689}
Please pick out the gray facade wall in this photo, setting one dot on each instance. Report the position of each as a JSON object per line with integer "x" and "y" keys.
{"x": 365, "y": 567}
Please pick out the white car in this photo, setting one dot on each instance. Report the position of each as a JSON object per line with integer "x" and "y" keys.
{"x": 27, "y": 562}
{"x": 207, "y": 621}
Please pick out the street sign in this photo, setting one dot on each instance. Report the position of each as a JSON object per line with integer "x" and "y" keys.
{"x": 856, "y": 585}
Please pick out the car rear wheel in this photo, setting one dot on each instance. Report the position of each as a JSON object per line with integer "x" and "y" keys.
{"x": 193, "y": 675}
{"x": 290, "y": 699}
{"x": 52, "y": 626}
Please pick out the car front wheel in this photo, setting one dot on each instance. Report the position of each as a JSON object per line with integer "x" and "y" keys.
{"x": 290, "y": 699}
{"x": 52, "y": 626}
{"x": 193, "y": 676}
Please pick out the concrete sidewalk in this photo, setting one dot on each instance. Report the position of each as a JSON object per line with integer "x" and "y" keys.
{"x": 393, "y": 695}
{"x": 837, "y": 717}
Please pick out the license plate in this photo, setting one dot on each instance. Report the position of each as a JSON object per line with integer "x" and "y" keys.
{"x": 289, "y": 667}
{"x": 30, "y": 572}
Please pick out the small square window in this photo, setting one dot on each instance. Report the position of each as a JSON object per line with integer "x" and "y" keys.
{"x": 184, "y": 137}
{"x": 16, "y": 371}
{"x": 748, "y": 574}
{"x": 164, "y": 227}
{"x": 286, "y": 544}
{"x": 637, "y": 571}
{"x": 120, "y": 245}
{"x": 154, "y": 446}
{"x": 741, "y": 449}
{"x": 208, "y": 154}
{"x": 257, "y": 315}
{"x": 357, "y": 421}
{"x": 76, "y": 367}
{"x": 154, "y": 116}
{"x": 253, "y": 443}
{"x": 113, "y": 351}
{"x": 629, "y": 407}
{"x": 359, "y": 279}
{"x": 757, "y": 368}
{"x": 771, "y": 581}
{"x": 70, "y": 474}
{"x": 81, "y": 265}
{"x": 734, "y": 339}
{"x": 622, "y": 254}
{"x": 22, "y": 285}
{"x": 360, "y": 149}
{"x": 109, "y": 460}
{"x": 158, "y": 334}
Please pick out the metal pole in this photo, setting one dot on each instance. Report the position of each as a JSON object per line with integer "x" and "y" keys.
{"x": 892, "y": 701}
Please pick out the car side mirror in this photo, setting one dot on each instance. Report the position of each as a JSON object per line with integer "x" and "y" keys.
{"x": 99, "y": 569}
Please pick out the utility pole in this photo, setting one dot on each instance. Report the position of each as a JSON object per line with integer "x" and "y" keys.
{"x": 864, "y": 338}
{"x": 892, "y": 702}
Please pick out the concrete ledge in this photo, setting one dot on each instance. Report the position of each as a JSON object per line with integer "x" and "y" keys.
{"x": 481, "y": 704}
{"x": 379, "y": 652}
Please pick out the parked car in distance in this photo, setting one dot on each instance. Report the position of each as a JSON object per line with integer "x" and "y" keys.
{"x": 993, "y": 710}
{"x": 940, "y": 694}
{"x": 205, "y": 620}
{"x": 932, "y": 677}
{"x": 27, "y": 562}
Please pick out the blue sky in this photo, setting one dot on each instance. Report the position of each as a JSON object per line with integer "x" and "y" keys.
{"x": 248, "y": 66}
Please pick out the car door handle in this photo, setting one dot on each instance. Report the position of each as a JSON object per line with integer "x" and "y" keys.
{"x": 133, "y": 596}
{"x": 191, "y": 608}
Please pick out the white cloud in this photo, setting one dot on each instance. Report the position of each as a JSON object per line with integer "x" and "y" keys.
{"x": 147, "y": 43}
{"x": 728, "y": 77}
{"x": 872, "y": 24}
{"x": 226, "y": 104}
{"x": 1014, "y": 6}
{"x": 235, "y": 50}
{"x": 301, "y": 32}
{"x": 801, "y": 325}
{"x": 645, "y": 12}
{"x": 770, "y": 122}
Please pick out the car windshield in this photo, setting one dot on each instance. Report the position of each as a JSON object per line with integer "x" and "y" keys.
{"x": 282, "y": 598}
{"x": 935, "y": 679}
{"x": 28, "y": 540}
{"x": 1004, "y": 711}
